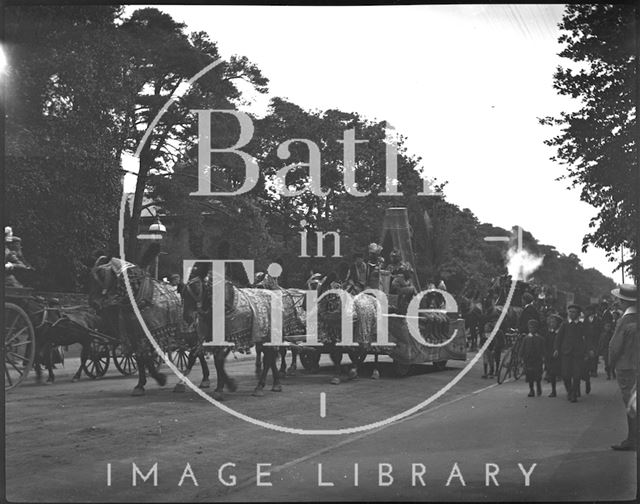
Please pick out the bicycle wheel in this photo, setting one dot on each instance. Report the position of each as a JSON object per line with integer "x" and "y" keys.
{"x": 505, "y": 367}
{"x": 517, "y": 366}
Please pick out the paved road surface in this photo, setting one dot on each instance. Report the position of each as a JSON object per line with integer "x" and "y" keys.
{"x": 60, "y": 438}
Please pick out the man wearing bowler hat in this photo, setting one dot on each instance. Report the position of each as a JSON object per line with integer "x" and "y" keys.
{"x": 572, "y": 345}
{"x": 623, "y": 356}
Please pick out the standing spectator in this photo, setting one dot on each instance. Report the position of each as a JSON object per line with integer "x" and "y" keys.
{"x": 532, "y": 354}
{"x": 552, "y": 363}
{"x": 623, "y": 356}
{"x": 529, "y": 312}
{"x": 571, "y": 346}
{"x": 176, "y": 284}
{"x": 594, "y": 328}
{"x": 605, "y": 313}
{"x": 358, "y": 274}
{"x": 603, "y": 346}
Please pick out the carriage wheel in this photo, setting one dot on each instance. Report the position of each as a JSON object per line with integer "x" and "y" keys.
{"x": 125, "y": 363}
{"x": 357, "y": 356}
{"x": 310, "y": 360}
{"x": 180, "y": 359}
{"x": 19, "y": 345}
{"x": 401, "y": 369}
{"x": 97, "y": 363}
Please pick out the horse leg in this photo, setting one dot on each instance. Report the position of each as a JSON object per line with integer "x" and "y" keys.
{"x": 160, "y": 378}
{"x": 266, "y": 365}
{"x": 277, "y": 387}
{"x": 376, "y": 373}
{"x": 218, "y": 360}
{"x": 84, "y": 353}
{"x": 258, "y": 361}
{"x": 205, "y": 370}
{"x": 294, "y": 357}
{"x": 353, "y": 368}
{"x": 336, "y": 358}
{"x": 180, "y": 387}
{"x": 283, "y": 362}
{"x": 138, "y": 390}
{"x": 231, "y": 384}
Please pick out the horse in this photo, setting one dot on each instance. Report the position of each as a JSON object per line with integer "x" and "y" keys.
{"x": 248, "y": 323}
{"x": 364, "y": 320}
{"x": 159, "y": 305}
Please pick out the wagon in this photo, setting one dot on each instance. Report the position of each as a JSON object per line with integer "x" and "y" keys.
{"x": 442, "y": 338}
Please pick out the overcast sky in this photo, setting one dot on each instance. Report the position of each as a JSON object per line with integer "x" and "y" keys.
{"x": 465, "y": 84}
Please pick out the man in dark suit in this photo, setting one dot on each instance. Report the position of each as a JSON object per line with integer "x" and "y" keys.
{"x": 623, "y": 356}
{"x": 594, "y": 330}
{"x": 573, "y": 347}
{"x": 529, "y": 312}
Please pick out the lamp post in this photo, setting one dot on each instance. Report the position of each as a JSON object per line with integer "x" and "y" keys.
{"x": 159, "y": 230}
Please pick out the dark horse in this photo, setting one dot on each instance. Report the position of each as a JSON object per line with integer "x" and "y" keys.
{"x": 160, "y": 308}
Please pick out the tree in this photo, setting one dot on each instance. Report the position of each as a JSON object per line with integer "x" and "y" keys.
{"x": 163, "y": 57}
{"x": 64, "y": 97}
{"x": 598, "y": 142}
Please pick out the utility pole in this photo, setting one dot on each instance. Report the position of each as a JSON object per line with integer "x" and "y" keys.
{"x": 622, "y": 261}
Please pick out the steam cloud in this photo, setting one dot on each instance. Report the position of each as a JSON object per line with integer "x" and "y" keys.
{"x": 521, "y": 265}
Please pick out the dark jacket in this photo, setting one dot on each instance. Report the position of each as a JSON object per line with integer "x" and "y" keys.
{"x": 573, "y": 340}
{"x": 623, "y": 347}
{"x": 532, "y": 350}
{"x": 529, "y": 312}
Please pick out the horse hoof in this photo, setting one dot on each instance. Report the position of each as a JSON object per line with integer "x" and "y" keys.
{"x": 375, "y": 375}
{"x": 335, "y": 381}
{"x": 138, "y": 391}
{"x": 291, "y": 372}
{"x": 205, "y": 384}
{"x": 353, "y": 374}
{"x": 217, "y": 395}
{"x": 232, "y": 385}
{"x": 161, "y": 379}
{"x": 258, "y": 392}
{"x": 276, "y": 388}
{"x": 179, "y": 387}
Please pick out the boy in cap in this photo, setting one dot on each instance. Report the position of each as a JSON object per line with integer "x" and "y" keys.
{"x": 532, "y": 354}
{"x": 571, "y": 346}
{"x": 552, "y": 364}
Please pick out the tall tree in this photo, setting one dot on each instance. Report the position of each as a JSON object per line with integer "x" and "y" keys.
{"x": 598, "y": 142}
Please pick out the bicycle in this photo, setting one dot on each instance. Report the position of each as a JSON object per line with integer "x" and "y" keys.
{"x": 511, "y": 364}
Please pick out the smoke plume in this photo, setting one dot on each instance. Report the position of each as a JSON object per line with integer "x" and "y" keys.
{"x": 521, "y": 264}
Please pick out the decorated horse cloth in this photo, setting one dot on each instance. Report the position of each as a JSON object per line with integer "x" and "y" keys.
{"x": 363, "y": 313}
{"x": 248, "y": 321}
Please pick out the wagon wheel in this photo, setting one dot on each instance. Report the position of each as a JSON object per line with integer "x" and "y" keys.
{"x": 401, "y": 369}
{"x": 180, "y": 358}
{"x": 124, "y": 362}
{"x": 310, "y": 360}
{"x": 97, "y": 363}
{"x": 19, "y": 345}
{"x": 357, "y": 356}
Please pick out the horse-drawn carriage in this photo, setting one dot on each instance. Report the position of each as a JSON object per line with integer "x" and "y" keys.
{"x": 35, "y": 326}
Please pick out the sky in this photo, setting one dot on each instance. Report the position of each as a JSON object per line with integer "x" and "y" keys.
{"x": 465, "y": 84}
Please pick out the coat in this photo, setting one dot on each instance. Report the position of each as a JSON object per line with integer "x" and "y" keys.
{"x": 573, "y": 340}
{"x": 528, "y": 313}
{"x": 623, "y": 347}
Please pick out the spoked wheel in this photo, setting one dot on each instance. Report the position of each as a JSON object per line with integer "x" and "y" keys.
{"x": 180, "y": 358}
{"x": 310, "y": 360}
{"x": 97, "y": 363}
{"x": 357, "y": 356}
{"x": 505, "y": 368}
{"x": 518, "y": 369}
{"x": 125, "y": 362}
{"x": 19, "y": 345}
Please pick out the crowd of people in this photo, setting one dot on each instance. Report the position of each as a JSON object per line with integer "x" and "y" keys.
{"x": 569, "y": 347}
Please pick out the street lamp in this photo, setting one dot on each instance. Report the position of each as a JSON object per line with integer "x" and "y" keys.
{"x": 158, "y": 230}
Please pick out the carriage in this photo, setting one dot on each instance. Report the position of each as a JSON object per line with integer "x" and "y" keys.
{"x": 28, "y": 315}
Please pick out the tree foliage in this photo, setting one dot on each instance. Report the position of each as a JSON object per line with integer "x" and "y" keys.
{"x": 598, "y": 142}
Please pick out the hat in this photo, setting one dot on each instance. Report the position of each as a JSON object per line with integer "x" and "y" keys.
{"x": 628, "y": 292}
{"x": 527, "y": 298}
{"x": 533, "y": 322}
{"x": 576, "y": 306}
{"x": 556, "y": 317}
{"x": 374, "y": 248}
{"x": 8, "y": 235}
